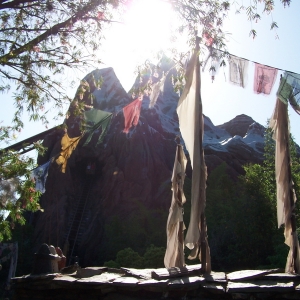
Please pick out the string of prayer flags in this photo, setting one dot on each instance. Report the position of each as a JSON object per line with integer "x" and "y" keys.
{"x": 289, "y": 90}
{"x": 39, "y": 175}
{"x": 132, "y": 113}
{"x": 238, "y": 68}
{"x": 264, "y": 78}
{"x": 174, "y": 256}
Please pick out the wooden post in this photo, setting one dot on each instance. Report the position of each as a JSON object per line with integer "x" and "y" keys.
{"x": 203, "y": 243}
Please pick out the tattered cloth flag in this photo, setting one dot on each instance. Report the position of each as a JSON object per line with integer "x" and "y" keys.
{"x": 39, "y": 175}
{"x": 132, "y": 113}
{"x": 13, "y": 256}
{"x": 174, "y": 256}
{"x": 8, "y": 190}
{"x": 286, "y": 197}
{"x": 191, "y": 126}
{"x": 264, "y": 78}
{"x": 96, "y": 121}
{"x": 289, "y": 90}
{"x": 238, "y": 68}
{"x": 156, "y": 89}
{"x": 68, "y": 145}
{"x": 13, "y": 263}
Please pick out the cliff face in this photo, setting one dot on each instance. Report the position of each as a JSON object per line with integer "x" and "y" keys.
{"x": 91, "y": 214}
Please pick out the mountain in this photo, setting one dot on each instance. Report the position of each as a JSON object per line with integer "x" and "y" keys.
{"x": 124, "y": 200}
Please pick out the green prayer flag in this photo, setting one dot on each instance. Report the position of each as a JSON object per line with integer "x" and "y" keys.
{"x": 289, "y": 90}
{"x": 96, "y": 119}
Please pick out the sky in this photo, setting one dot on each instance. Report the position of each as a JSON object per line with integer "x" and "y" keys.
{"x": 222, "y": 101}
{"x": 146, "y": 30}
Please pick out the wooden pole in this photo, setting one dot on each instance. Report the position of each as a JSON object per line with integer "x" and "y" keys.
{"x": 203, "y": 243}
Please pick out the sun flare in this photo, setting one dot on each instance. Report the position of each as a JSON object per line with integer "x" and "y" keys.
{"x": 148, "y": 23}
{"x": 146, "y": 28}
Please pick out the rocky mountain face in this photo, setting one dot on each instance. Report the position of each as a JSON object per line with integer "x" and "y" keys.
{"x": 94, "y": 214}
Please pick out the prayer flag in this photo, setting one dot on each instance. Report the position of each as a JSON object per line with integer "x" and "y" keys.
{"x": 40, "y": 175}
{"x": 132, "y": 114}
{"x": 156, "y": 89}
{"x": 190, "y": 117}
{"x": 286, "y": 197}
{"x": 95, "y": 120}
{"x": 237, "y": 70}
{"x": 8, "y": 190}
{"x": 264, "y": 79}
{"x": 174, "y": 256}
{"x": 68, "y": 145}
{"x": 289, "y": 90}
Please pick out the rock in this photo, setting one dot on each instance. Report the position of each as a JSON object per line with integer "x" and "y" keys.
{"x": 132, "y": 171}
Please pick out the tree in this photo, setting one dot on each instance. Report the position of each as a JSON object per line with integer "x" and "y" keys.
{"x": 38, "y": 40}
{"x": 260, "y": 189}
{"x": 41, "y": 39}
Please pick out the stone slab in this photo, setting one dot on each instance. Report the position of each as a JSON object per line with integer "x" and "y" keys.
{"x": 259, "y": 286}
{"x": 176, "y": 272}
{"x": 249, "y": 274}
{"x": 215, "y": 277}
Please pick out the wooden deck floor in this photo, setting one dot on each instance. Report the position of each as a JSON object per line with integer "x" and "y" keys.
{"x": 188, "y": 283}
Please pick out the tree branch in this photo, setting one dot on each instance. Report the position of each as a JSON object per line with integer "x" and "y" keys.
{"x": 52, "y": 31}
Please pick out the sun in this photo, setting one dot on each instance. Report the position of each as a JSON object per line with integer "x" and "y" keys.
{"x": 146, "y": 28}
{"x": 148, "y": 23}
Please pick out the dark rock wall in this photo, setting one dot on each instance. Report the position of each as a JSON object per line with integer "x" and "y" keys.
{"x": 132, "y": 176}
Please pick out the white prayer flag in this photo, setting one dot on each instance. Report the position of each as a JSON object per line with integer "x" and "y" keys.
{"x": 286, "y": 197}
{"x": 174, "y": 256}
{"x": 191, "y": 126}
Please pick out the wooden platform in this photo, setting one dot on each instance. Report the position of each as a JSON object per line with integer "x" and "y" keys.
{"x": 186, "y": 283}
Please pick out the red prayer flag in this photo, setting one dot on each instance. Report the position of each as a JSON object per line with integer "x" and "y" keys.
{"x": 264, "y": 79}
{"x": 132, "y": 114}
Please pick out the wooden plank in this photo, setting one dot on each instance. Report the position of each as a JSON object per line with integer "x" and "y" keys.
{"x": 259, "y": 287}
{"x": 29, "y": 141}
{"x": 153, "y": 282}
{"x": 98, "y": 279}
{"x": 126, "y": 282}
{"x": 248, "y": 274}
{"x": 29, "y": 277}
{"x": 90, "y": 271}
{"x": 213, "y": 287}
{"x": 185, "y": 282}
{"x": 215, "y": 277}
{"x": 283, "y": 276}
{"x": 138, "y": 273}
{"x": 176, "y": 272}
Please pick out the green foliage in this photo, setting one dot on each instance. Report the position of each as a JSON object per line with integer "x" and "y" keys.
{"x": 43, "y": 38}
{"x": 137, "y": 229}
{"x": 153, "y": 258}
{"x": 242, "y": 216}
{"x": 17, "y": 191}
